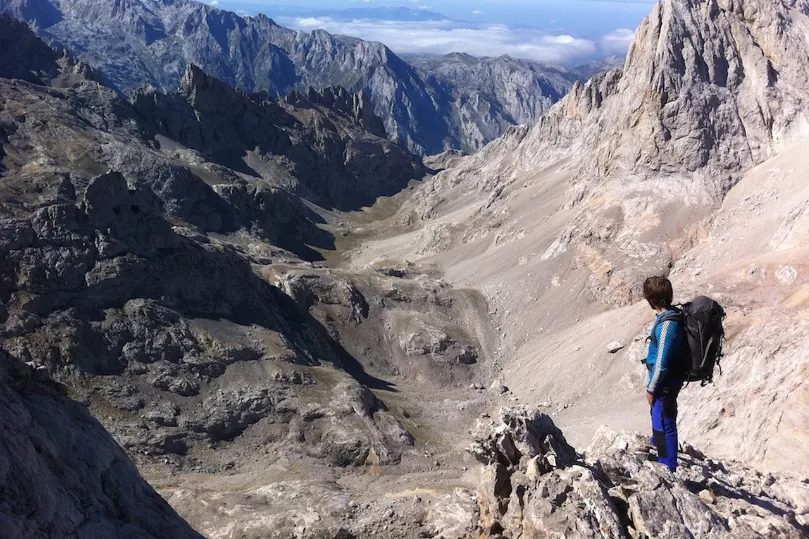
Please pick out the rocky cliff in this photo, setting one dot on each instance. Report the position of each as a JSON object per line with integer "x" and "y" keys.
{"x": 149, "y": 41}
{"x": 139, "y": 282}
{"x": 534, "y": 484}
{"x": 327, "y": 146}
{"x": 490, "y": 94}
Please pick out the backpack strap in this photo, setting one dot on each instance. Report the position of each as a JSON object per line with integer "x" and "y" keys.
{"x": 677, "y": 316}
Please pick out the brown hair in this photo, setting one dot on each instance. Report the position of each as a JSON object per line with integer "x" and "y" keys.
{"x": 658, "y": 292}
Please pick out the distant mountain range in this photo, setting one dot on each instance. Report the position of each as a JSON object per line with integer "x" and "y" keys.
{"x": 429, "y": 106}
{"x": 376, "y": 13}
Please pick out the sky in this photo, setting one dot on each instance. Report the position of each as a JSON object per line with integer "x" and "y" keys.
{"x": 567, "y": 32}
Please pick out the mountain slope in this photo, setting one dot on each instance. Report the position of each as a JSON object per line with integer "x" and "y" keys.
{"x": 142, "y": 264}
{"x": 559, "y": 223}
{"x": 136, "y": 42}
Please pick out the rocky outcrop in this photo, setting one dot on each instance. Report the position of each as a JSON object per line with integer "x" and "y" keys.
{"x": 533, "y": 484}
{"x": 322, "y": 145}
{"x": 357, "y": 106}
{"x": 42, "y": 65}
{"x": 62, "y": 474}
{"x": 156, "y": 41}
{"x": 402, "y": 325}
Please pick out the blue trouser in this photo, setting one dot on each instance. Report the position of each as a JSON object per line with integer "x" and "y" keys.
{"x": 664, "y": 424}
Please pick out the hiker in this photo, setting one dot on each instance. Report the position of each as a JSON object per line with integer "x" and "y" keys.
{"x": 665, "y": 346}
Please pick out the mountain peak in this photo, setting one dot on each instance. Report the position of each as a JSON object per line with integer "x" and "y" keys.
{"x": 710, "y": 88}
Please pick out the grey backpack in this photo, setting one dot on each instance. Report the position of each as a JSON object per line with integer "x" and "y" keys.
{"x": 702, "y": 320}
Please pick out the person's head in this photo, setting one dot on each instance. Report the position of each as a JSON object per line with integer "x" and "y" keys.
{"x": 658, "y": 292}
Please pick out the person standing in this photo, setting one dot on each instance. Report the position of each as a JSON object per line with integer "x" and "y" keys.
{"x": 665, "y": 380}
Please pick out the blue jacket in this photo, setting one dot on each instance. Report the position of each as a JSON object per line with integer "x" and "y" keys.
{"x": 663, "y": 349}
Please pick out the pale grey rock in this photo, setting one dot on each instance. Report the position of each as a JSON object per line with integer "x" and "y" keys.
{"x": 708, "y": 91}
{"x": 309, "y": 289}
{"x": 454, "y": 517}
{"x": 617, "y": 491}
{"x": 490, "y": 94}
{"x": 416, "y": 337}
{"x": 517, "y": 435}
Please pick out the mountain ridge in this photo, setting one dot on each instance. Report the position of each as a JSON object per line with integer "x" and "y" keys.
{"x": 146, "y": 41}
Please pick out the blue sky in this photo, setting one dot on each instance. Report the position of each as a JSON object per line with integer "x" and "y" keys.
{"x": 557, "y": 31}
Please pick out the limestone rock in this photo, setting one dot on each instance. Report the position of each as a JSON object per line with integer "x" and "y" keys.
{"x": 491, "y": 94}
{"x": 209, "y": 116}
{"x": 685, "y": 119}
{"x": 517, "y": 435}
{"x": 454, "y": 517}
{"x": 617, "y": 491}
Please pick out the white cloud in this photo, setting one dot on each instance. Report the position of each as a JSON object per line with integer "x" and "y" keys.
{"x": 310, "y": 22}
{"x": 617, "y": 42}
{"x": 443, "y": 37}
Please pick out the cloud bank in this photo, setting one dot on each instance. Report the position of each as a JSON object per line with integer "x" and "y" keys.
{"x": 446, "y": 36}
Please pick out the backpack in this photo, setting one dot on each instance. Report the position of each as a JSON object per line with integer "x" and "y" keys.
{"x": 701, "y": 319}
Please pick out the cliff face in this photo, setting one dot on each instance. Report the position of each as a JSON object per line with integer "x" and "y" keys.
{"x": 488, "y": 95}
{"x": 148, "y": 41}
{"x": 326, "y": 146}
{"x": 111, "y": 276}
{"x": 710, "y": 89}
